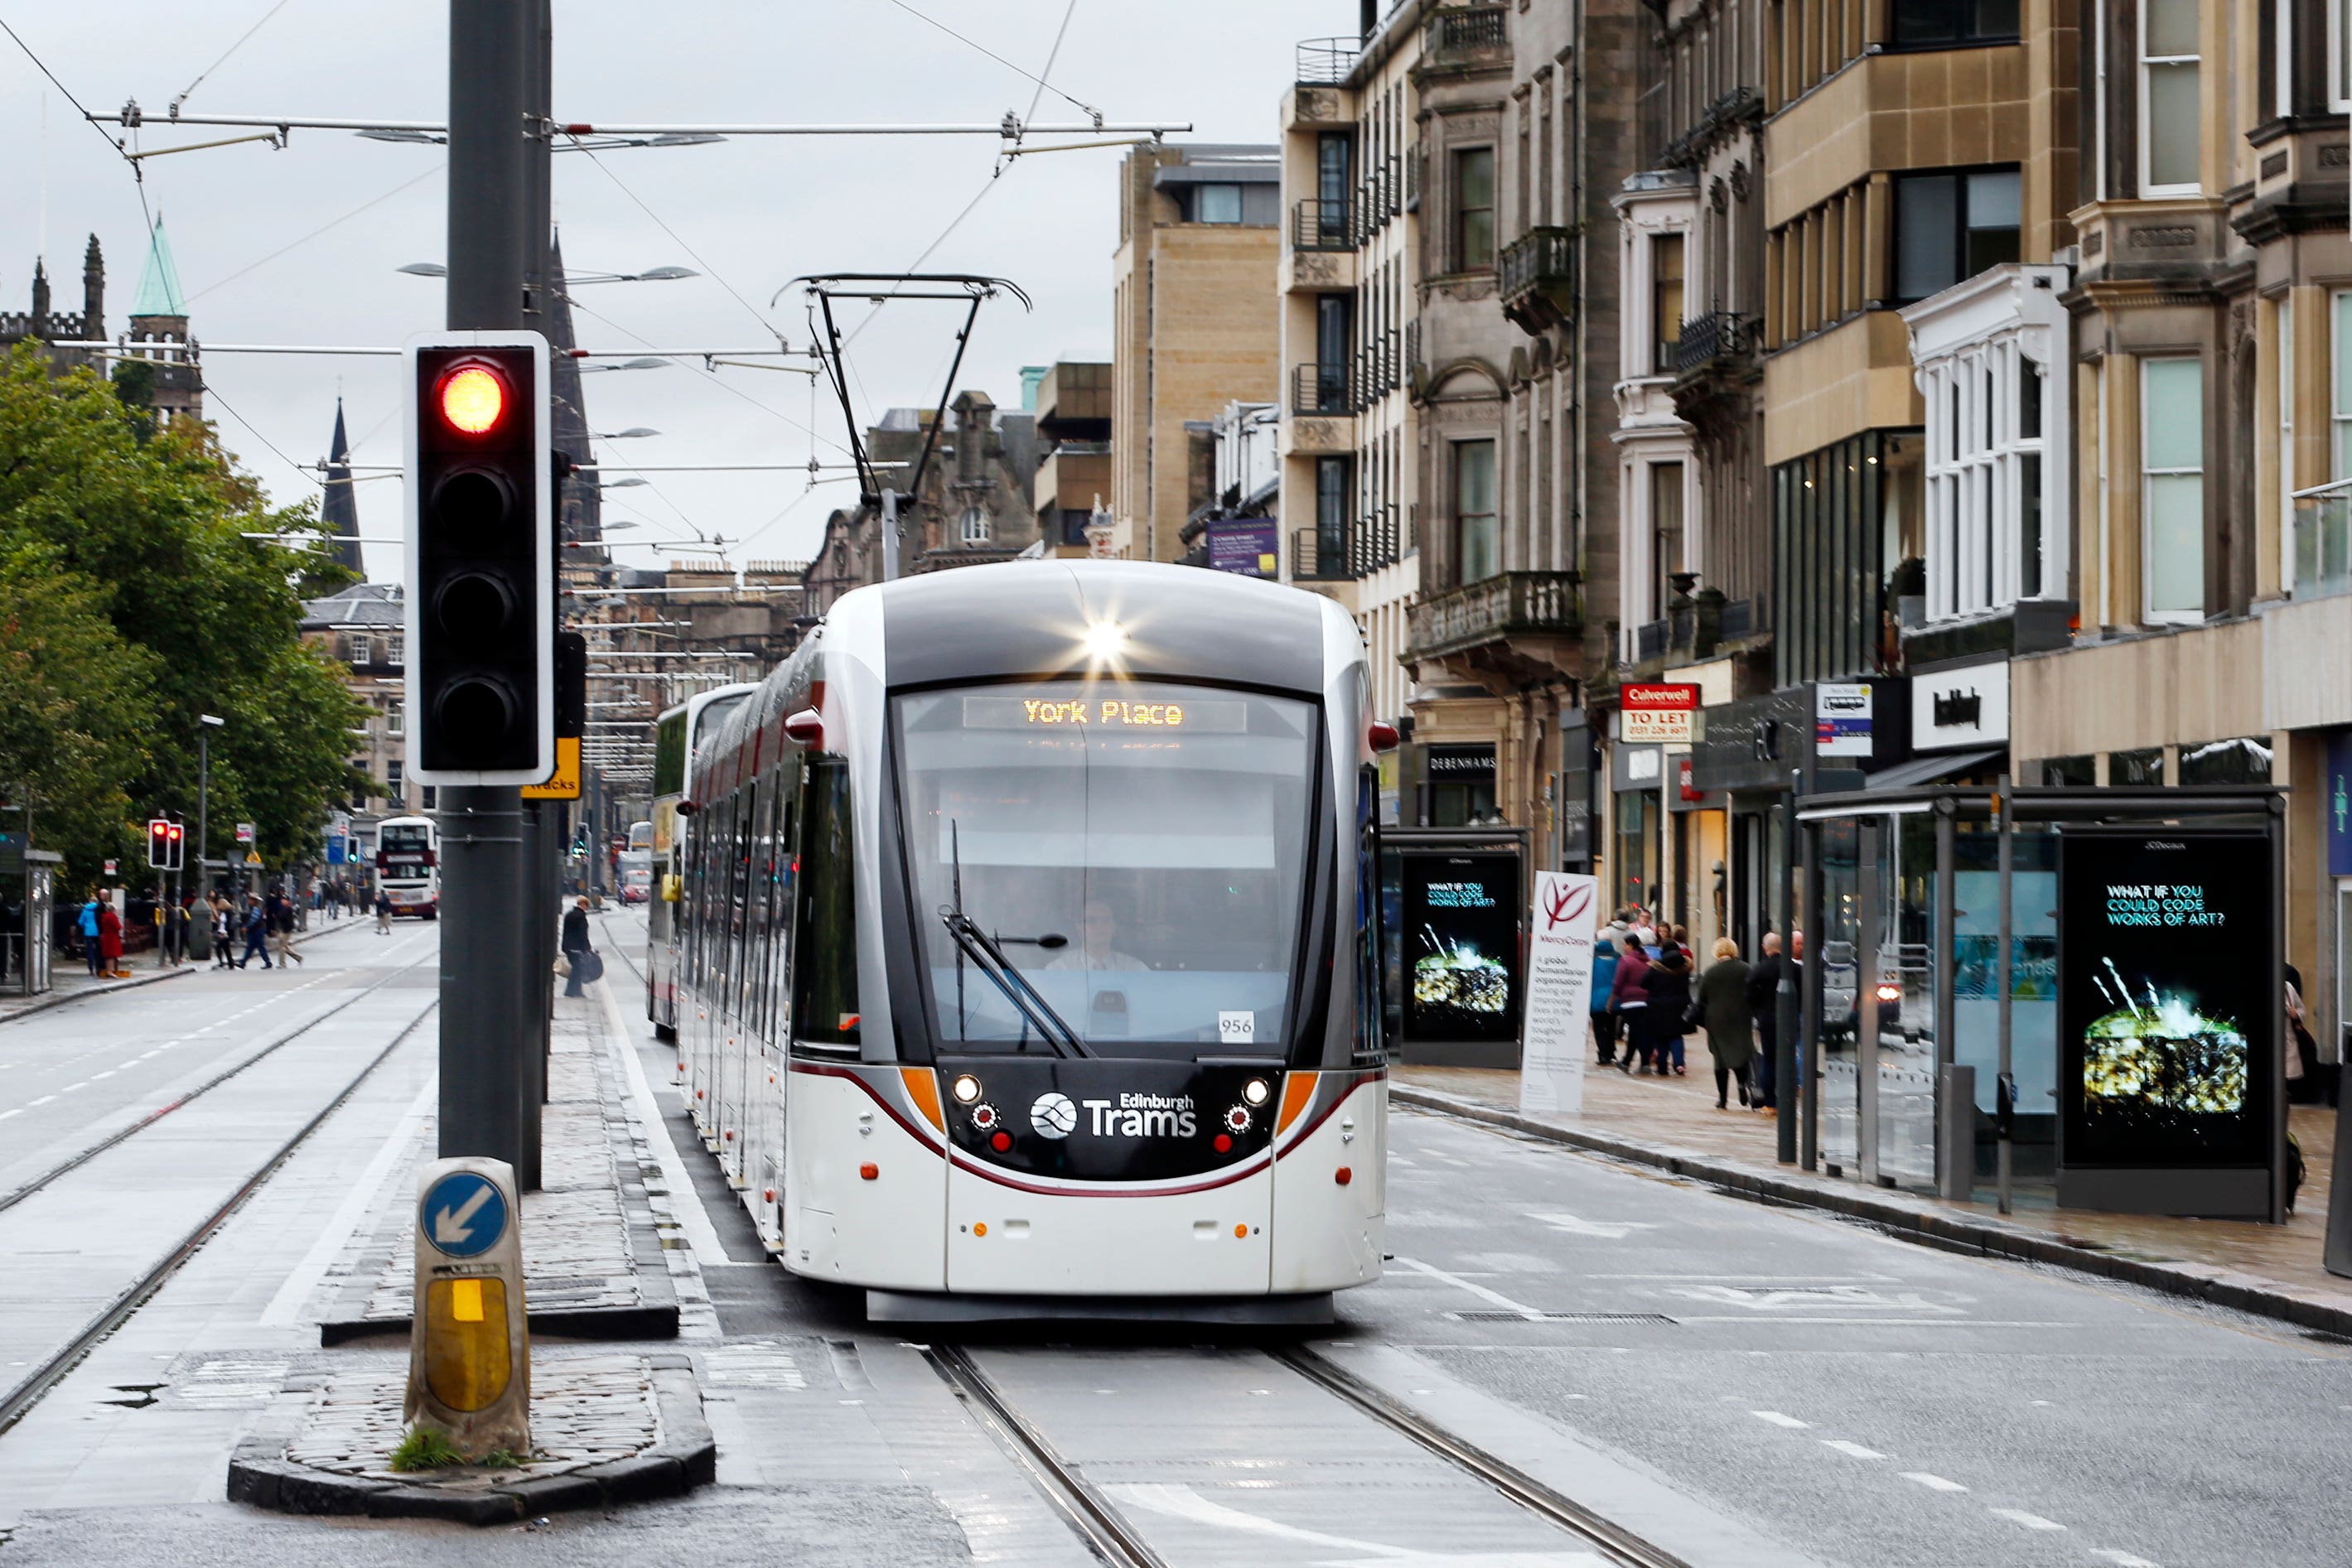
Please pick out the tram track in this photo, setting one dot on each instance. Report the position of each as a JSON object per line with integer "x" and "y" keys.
{"x": 1115, "y": 1539}
{"x": 20, "y": 1399}
{"x": 73, "y": 1162}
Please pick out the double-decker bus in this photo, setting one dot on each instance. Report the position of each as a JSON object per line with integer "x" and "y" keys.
{"x": 675, "y": 735}
{"x": 408, "y": 864}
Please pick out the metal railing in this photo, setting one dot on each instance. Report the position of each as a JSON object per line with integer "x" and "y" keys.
{"x": 1650, "y": 641}
{"x": 1540, "y": 259}
{"x": 1318, "y": 223}
{"x": 1717, "y": 335}
{"x": 1342, "y": 554}
{"x": 1327, "y": 62}
{"x": 1511, "y": 603}
{"x": 1322, "y": 389}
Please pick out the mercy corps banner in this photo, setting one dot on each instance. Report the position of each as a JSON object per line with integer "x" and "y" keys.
{"x": 1558, "y": 993}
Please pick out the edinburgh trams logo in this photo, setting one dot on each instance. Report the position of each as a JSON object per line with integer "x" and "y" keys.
{"x": 1053, "y": 1115}
{"x": 1139, "y": 1116}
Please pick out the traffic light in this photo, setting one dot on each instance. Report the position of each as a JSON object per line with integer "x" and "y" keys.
{"x": 159, "y": 843}
{"x": 481, "y": 560}
{"x": 176, "y": 838}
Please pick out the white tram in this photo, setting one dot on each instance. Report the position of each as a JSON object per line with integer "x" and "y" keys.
{"x": 676, "y": 733}
{"x": 1029, "y": 956}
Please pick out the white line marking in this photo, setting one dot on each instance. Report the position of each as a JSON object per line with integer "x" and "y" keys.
{"x": 95, "y": 1076}
{"x": 1605, "y": 1229}
{"x": 1481, "y": 1291}
{"x": 285, "y": 1306}
{"x": 6, "y": 1115}
{"x": 701, "y": 1237}
{"x": 72, "y": 1087}
{"x": 1856, "y": 1450}
{"x": 134, "y": 1062}
{"x": 1780, "y": 1420}
{"x": 42, "y": 1101}
{"x": 2120, "y": 1558}
{"x": 1932, "y": 1481}
{"x": 2030, "y": 1521}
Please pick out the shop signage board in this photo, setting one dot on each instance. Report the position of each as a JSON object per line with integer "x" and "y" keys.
{"x": 2168, "y": 1020}
{"x": 1656, "y": 712}
{"x": 1841, "y": 719}
{"x": 1247, "y": 546}
{"x": 1966, "y": 707}
{"x": 1561, "y": 930}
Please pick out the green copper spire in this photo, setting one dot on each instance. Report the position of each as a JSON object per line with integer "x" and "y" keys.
{"x": 159, "y": 287}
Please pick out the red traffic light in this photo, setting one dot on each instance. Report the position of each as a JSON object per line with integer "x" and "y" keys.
{"x": 472, "y": 399}
{"x": 173, "y": 833}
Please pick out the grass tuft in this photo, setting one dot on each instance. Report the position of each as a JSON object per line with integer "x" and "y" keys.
{"x": 425, "y": 1449}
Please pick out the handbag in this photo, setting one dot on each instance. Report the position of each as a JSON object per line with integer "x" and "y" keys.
{"x": 563, "y": 965}
{"x": 1694, "y": 1015}
{"x": 591, "y": 967}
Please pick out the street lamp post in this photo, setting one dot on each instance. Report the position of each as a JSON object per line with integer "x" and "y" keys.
{"x": 205, "y": 724}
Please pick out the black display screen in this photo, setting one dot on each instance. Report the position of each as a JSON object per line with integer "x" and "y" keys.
{"x": 1461, "y": 921}
{"x": 2169, "y": 999}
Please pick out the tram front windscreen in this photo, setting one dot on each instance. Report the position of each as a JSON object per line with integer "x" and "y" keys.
{"x": 1124, "y": 859}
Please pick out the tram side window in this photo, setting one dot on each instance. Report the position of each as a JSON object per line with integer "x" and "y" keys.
{"x": 824, "y": 932}
{"x": 1368, "y": 914}
{"x": 774, "y": 923}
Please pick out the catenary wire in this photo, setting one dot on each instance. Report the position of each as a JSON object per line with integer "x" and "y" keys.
{"x": 1086, "y": 108}
{"x": 314, "y": 233}
{"x": 186, "y": 92}
{"x": 765, "y": 325}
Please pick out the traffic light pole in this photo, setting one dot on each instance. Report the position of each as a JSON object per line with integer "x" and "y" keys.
{"x": 490, "y": 1059}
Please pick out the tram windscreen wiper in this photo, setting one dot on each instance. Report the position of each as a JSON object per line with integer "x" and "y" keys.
{"x": 990, "y": 960}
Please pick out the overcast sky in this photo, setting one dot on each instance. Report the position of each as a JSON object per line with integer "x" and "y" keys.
{"x": 747, "y": 214}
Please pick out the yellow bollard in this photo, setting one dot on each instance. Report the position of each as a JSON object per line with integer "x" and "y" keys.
{"x": 469, "y": 1344}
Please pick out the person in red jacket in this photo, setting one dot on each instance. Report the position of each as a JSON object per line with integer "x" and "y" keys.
{"x": 1627, "y": 997}
{"x": 110, "y": 940}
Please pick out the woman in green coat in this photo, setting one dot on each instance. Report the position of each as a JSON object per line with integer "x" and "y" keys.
{"x": 1723, "y": 1009}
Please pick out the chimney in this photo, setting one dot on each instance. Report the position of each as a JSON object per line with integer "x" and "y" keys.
{"x": 94, "y": 292}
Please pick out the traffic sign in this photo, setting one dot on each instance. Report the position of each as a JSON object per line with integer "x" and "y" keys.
{"x": 245, "y": 832}
{"x": 109, "y": 868}
{"x": 252, "y": 858}
{"x": 462, "y": 1215}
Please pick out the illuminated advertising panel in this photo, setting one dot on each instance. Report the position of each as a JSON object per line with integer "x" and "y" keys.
{"x": 2168, "y": 1005}
{"x": 1461, "y": 947}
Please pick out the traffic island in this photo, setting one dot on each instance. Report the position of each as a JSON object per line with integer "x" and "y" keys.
{"x": 607, "y": 1430}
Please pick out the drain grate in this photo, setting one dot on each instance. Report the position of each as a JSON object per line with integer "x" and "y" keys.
{"x": 1561, "y": 1317}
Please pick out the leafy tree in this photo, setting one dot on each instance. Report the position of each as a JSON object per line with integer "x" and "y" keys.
{"x": 155, "y": 528}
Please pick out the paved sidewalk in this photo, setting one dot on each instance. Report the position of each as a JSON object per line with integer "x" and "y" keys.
{"x": 592, "y": 1258}
{"x": 2271, "y": 1270}
{"x": 71, "y": 981}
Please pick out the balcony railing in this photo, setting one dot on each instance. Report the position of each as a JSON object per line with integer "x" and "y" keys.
{"x": 1537, "y": 277}
{"x": 1344, "y": 553}
{"x": 2323, "y": 547}
{"x": 1468, "y": 36}
{"x": 1497, "y": 609}
{"x": 1326, "y": 62}
{"x": 1717, "y": 335}
{"x": 1323, "y": 390}
{"x": 1318, "y": 223}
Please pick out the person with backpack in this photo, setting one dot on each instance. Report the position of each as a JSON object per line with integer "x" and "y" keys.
{"x": 88, "y": 926}
{"x": 257, "y": 934}
{"x": 383, "y": 912}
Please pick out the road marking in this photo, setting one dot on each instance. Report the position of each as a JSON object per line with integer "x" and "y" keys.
{"x": 72, "y": 1087}
{"x": 42, "y": 1101}
{"x": 1780, "y": 1420}
{"x": 1856, "y": 1450}
{"x": 1180, "y": 1501}
{"x": 285, "y": 1307}
{"x": 2030, "y": 1521}
{"x": 95, "y": 1076}
{"x": 6, "y": 1115}
{"x": 1931, "y": 1481}
{"x": 1606, "y": 1230}
{"x": 134, "y": 1062}
{"x": 1481, "y": 1291}
{"x": 2120, "y": 1558}
{"x": 693, "y": 1219}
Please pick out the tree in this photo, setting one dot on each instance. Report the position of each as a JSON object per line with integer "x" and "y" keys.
{"x": 153, "y": 528}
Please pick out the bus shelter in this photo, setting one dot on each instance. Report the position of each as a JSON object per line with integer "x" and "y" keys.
{"x": 26, "y": 912}
{"x": 2076, "y": 990}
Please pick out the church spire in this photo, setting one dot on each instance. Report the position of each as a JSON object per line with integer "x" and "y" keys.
{"x": 338, "y": 511}
{"x": 159, "y": 285}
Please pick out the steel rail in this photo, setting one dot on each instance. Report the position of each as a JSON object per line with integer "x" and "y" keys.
{"x": 1098, "y": 1522}
{"x": 12, "y": 1198}
{"x": 20, "y": 1401}
{"x": 1514, "y": 1483}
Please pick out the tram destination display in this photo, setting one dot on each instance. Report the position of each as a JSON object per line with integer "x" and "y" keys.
{"x": 2167, "y": 998}
{"x": 1461, "y": 947}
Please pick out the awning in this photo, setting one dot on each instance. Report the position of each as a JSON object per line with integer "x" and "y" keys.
{"x": 1931, "y": 770}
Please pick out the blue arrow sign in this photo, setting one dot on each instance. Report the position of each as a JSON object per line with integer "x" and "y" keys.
{"x": 462, "y": 1215}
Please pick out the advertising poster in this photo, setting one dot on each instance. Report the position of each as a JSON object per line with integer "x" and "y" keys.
{"x": 1461, "y": 947}
{"x": 2168, "y": 999}
{"x": 1842, "y": 715}
{"x": 1559, "y": 993}
{"x": 1656, "y": 712}
{"x": 1246, "y": 546}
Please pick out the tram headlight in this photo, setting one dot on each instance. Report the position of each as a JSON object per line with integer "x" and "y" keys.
{"x": 967, "y": 1090}
{"x": 1255, "y": 1091}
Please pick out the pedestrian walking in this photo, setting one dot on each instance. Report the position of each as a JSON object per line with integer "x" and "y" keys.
{"x": 257, "y": 934}
{"x": 1667, "y": 981}
{"x": 574, "y": 945}
{"x": 109, "y": 942}
{"x": 1764, "y": 1011}
{"x": 88, "y": 926}
{"x": 1605, "y": 954}
{"x": 216, "y": 914}
{"x": 1723, "y": 1012}
{"x": 282, "y": 929}
{"x": 383, "y": 912}
{"x": 1628, "y": 1000}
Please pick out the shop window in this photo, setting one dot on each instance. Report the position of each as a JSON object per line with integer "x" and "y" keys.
{"x": 1949, "y": 227}
{"x": 1476, "y": 515}
{"x": 1474, "y": 210}
{"x": 2168, "y": 116}
{"x": 1665, "y": 301}
{"x": 1637, "y": 848}
{"x": 1917, "y": 24}
{"x": 2142, "y": 766}
{"x": 2059, "y": 773}
{"x": 2172, "y": 467}
{"x": 2244, "y": 760}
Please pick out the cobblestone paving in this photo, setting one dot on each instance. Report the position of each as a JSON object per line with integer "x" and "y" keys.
{"x": 584, "y": 1410}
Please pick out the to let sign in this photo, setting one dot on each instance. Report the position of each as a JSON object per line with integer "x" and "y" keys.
{"x": 1656, "y": 713}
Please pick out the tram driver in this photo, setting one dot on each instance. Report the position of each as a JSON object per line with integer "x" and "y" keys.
{"x": 1094, "y": 950}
